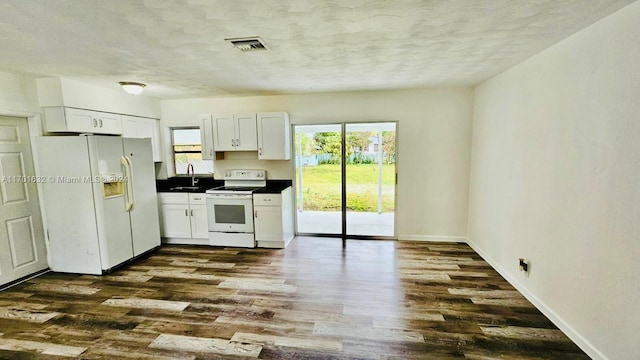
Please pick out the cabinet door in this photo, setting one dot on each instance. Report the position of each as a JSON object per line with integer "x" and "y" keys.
{"x": 109, "y": 123}
{"x": 224, "y": 132}
{"x": 141, "y": 128}
{"x": 206, "y": 135}
{"x": 176, "y": 220}
{"x": 149, "y": 128}
{"x": 246, "y": 132}
{"x": 274, "y": 140}
{"x": 79, "y": 120}
{"x": 268, "y": 223}
{"x": 129, "y": 127}
{"x": 199, "y": 223}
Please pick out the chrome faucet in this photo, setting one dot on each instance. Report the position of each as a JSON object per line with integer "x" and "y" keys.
{"x": 194, "y": 181}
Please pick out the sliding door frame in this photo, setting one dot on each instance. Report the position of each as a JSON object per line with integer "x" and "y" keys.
{"x": 343, "y": 179}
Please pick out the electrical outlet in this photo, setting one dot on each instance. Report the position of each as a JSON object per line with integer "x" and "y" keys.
{"x": 524, "y": 265}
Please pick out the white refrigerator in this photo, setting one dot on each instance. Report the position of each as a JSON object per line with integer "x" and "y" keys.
{"x": 100, "y": 200}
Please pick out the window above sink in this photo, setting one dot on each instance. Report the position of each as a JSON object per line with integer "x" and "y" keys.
{"x": 186, "y": 146}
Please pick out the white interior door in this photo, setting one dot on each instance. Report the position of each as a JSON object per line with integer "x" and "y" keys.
{"x": 22, "y": 245}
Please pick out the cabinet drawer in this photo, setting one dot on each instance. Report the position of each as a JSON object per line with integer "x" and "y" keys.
{"x": 173, "y": 198}
{"x": 267, "y": 199}
{"x": 197, "y": 199}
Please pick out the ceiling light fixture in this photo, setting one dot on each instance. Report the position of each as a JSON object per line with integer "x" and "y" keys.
{"x": 133, "y": 88}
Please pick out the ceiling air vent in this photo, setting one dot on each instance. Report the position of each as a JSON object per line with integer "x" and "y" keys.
{"x": 248, "y": 43}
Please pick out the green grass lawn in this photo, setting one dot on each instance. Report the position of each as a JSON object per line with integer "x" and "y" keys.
{"x": 321, "y": 187}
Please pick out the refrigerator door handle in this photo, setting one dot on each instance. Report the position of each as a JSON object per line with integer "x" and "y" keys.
{"x": 128, "y": 175}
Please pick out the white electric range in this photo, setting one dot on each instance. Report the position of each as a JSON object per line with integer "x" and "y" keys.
{"x": 230, "y": 208}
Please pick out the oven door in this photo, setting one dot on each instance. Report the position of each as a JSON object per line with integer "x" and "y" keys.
{"x": 230, "y": 214}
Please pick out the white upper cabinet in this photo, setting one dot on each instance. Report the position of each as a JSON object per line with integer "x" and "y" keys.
{"x": 65, "y": 119}
{"x": 274, "y": 139}
{"x": 234, "y": 132}
{"x": 224, "y": 132}
{"x": 246, "y": 132}
{"x": 139, "y": 127}
{"x": 206, "y": 135}
{"x": 109, "y": 123}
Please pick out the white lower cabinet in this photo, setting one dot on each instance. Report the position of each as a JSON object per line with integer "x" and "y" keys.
{"x": 184, "y": 218}
{"x": 273, "y": 219}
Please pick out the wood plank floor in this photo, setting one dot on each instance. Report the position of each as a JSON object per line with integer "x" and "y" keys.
{"x": 313, "y": 300}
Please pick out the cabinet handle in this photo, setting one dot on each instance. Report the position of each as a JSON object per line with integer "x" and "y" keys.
{"x": 191, "y": 212}
{"x": 186, "y": 212}
{"x": 259, "y": 151}
{"x": 233, "y": 142}
{"x": 255, "y": 214}
{"x": 100, "y": 121}
{"x": 210, "y": 152}
{"x": 237, "y": 142}
{"x": 95, "y": 123}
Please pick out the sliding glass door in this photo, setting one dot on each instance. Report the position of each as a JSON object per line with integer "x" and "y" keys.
{"x": 370, "y": 178}
{"x": 345, "y": 179}
{"x": 318, "y": 151}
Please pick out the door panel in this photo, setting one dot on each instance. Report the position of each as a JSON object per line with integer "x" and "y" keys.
{"x": 247, "y": 132}
{"x": 318, "y": 179}
{"x": 370, "y": 178}
{"x": 145, "y": 223}
{"x": 21, "y": 241}
{"x": 81, "y": 120}
{"x": 73, "y": 234}
{"x": 268, "y": 223}
{"x": 199, "y": 222}
{"x": 271, "y": 137}
{"x": 224, "y": 132}
{"x": 148, "y": 129}
{"x": 114, "y": 230}
{"x": 22, "y": 246}
{"x": 109, "y": 123}
{"x": 11, "y": 167}
{"x": 176, "y": 221}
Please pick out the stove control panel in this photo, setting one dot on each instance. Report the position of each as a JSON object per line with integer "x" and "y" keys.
{"x": 250, "y": 174}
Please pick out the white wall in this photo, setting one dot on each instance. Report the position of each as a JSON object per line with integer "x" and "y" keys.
{"x": 18, "y": 94}
{"x": 555, "y": 178}
{"x": 433, "y": 145}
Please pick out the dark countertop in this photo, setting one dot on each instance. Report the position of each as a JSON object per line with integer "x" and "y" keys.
{"x": 206, "y": 183}
{"x": 203, "y": 184}
{"x": 274, "y": 187}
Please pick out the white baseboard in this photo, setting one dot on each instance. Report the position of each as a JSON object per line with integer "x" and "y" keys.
{"x": 578, "y": 339}
{"x": 433, "y": 238}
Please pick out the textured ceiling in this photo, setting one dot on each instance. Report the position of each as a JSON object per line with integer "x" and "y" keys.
{"x": 178, "y": 47}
